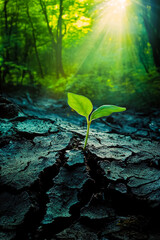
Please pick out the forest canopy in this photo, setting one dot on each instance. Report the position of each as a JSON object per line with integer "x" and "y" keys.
{"x": 107, "y": 50}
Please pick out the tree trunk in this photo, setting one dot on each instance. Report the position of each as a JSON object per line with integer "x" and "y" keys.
{"x": 25, "y": 54}
{"x": 35, "y": 43}
{"x": 152, "y": 26}
{"x": 6, "y": 43}
{"x": 59, "y": 40}
{"x": 56, "y": 40}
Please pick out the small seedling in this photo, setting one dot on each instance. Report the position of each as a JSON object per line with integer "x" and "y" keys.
{"x": 84, "y": 107}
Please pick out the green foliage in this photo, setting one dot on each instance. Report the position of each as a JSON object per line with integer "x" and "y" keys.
{"x": 90, "y": 85}
{"x": 83, "y": 106}
{"x": 80, "y": 104}
{"x": 87, "y": 46}
{"x": 105, "y": 111}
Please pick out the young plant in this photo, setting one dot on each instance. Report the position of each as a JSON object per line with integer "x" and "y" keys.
{"x": 84, "y": 107}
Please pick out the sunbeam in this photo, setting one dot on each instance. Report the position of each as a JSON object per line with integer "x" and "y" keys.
{"x": 110, "y": 34}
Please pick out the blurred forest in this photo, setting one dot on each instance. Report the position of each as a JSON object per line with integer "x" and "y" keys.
{"x": 107, "y": 50}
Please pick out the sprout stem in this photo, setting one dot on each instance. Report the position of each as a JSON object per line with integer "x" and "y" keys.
{"x": 88, "y": 126}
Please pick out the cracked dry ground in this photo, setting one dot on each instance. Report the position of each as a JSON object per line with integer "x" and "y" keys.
{"x": 51, "y": 189}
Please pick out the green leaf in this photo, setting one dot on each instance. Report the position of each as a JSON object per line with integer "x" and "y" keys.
{"x": 105, "y": 111}
{"x": 80, "y": 104}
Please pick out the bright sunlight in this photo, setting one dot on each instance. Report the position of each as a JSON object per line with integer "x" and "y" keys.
{"x": 110, "y": 37}
{"x": 115, "y": 13}
{"x": 118, "y": 5}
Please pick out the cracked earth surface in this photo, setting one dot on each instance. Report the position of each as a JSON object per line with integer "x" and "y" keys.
{"x": 51, "y": 189}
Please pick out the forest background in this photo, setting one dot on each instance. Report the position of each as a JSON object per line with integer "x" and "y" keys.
{"x": 106, "y": 50}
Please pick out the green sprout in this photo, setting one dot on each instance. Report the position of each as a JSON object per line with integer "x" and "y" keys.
{"x": 83, "y": 106}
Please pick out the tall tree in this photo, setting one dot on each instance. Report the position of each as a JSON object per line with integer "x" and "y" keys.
{"x": 34, "y": 40}
{"x": 5, "y": 39}
{"x": 42, "y": 29}
{"x": 65, "y": 19}
{"x": 56, "y": 37}
{"x": 151, "y": 16}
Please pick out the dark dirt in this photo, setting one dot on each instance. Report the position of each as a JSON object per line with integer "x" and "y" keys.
{"x": 51, "y": 189}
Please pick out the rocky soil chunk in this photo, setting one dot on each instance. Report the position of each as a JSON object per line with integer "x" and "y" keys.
{"x": 8, "y": 109}
{"x": 64, "y": 194}
{"x": 36, "y": 127}
{"x": 129, "y": 162}
{"x": 22, "y": 162}
{"x": 77, "y": 232}
{"x": 74, "y": 157}
{"x": 13, "y": 209}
